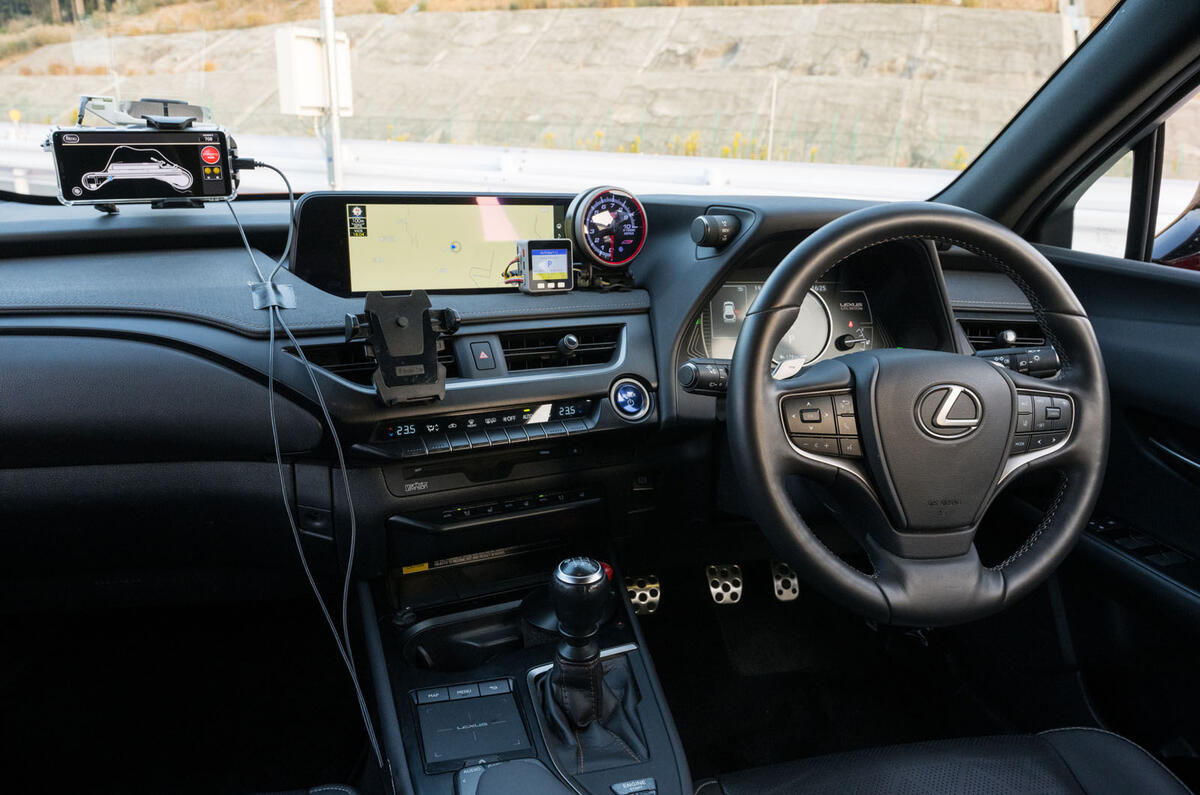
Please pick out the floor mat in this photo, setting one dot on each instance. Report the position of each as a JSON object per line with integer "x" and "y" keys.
{"x": 214, "y": 699}
{"x": 762, "y": 682}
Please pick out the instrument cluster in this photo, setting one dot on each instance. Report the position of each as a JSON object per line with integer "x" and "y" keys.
{"x": 834, "y": 320}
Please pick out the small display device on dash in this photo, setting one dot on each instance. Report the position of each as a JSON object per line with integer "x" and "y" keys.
{"x": 547, "y": 266}
{"x": 97, "y": 165}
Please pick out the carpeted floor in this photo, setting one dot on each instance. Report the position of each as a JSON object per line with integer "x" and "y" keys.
{"x": 762, "y": 681}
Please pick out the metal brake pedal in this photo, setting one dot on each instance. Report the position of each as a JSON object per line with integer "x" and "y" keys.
{"x": 645, "y": 594}
{"x": 786, "y": 587}
{"x": 725, "y": 583}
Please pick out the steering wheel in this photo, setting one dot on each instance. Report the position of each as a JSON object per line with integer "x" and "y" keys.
{"x": 938, "y": 434}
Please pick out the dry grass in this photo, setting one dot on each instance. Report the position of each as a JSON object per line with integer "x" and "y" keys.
{"x": 22, "y": 36}
{"x": 17, "y": 43}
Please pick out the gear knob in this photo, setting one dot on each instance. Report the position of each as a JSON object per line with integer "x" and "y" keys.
{"x": 579, "y": 592}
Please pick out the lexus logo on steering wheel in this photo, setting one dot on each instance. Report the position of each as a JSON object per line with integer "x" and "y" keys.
{"x": 949, "y": 411}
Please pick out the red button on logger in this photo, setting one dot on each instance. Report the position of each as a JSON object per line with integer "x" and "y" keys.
{"x": 210, "y": 154}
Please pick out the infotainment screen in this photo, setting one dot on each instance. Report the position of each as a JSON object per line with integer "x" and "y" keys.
{"x": 351, "y": 244}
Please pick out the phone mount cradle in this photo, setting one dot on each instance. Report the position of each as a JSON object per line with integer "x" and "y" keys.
{"x": 404, "y": 335}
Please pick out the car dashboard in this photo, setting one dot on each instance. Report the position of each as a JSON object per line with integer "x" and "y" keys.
{"x": 124, "y": 350}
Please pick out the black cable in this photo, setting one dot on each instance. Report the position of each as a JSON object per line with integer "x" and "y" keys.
{"x": 287, "y": 246}
{"x": 337, "y": 446}
{"x": 342, "y": 640}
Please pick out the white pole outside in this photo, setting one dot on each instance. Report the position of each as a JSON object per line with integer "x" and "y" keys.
{"x": 333, "y": 129}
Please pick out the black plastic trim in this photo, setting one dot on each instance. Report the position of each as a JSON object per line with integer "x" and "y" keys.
{"x": 385, "y": 701}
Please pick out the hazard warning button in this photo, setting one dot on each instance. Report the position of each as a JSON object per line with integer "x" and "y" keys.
{"x": 481, "y": 352}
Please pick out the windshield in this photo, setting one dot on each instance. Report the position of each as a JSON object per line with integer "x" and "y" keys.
{"x": 880, "y": 100}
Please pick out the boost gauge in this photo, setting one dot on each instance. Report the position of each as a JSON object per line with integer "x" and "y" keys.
{"x": 609, "y": 226}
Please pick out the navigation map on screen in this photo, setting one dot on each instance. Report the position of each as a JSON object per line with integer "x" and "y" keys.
{"x": 439, "y": 246}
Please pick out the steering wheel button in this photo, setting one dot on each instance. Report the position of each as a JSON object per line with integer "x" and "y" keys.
{"x": 810, "y": 415}
{"x": 1020, "y": 444}
{"x": 816, "y": 444}
{"x": 1024, "y": 404}
{"x": 851, "y": 448}
{"x": 1024, "y": 423}
{"x": 797, "y": 409}
{"x": 1064, "y": 409}
{"x": 847, "y": 426}
{"x": 843, "y": 405}
{"x": 1040, "y": 404}
{"x": 1044, "y": 440}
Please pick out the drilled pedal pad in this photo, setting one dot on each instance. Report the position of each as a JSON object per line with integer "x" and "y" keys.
{"x": 725, "y": 583}
{"x": 645, "y": 594}
{"x": 784, "y": 580}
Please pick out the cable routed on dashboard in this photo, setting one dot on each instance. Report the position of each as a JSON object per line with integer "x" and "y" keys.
{"x": 342, "y": 638}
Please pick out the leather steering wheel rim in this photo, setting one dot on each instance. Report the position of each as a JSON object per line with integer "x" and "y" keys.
{"x": 915, "y": 517}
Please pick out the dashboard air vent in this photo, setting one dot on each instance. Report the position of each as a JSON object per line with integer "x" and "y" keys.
{"x": 986, "y": 334}
{"x": 535, "y": 350}
{"x": 348, "y": 360}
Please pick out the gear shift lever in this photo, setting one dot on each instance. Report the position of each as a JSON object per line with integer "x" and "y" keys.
{"x": 579, "y": 592}
{"x": 587, "y": 705}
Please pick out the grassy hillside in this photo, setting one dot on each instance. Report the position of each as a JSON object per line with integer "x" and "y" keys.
{"x": 26, "y": 25}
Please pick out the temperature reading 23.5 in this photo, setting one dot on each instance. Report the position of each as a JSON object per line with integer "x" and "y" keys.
{"x": 610, "y": 225}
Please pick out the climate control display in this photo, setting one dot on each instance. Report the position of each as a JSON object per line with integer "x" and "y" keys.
{"x": 535, "y": 414}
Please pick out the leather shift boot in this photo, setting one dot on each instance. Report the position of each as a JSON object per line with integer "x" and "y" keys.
{"x": 589, "y": 712}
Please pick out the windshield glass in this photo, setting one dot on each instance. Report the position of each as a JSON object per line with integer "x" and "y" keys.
{"x": 874, "y": 100}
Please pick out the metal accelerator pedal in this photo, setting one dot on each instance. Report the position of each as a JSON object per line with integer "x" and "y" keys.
{"x": 786, "y": 587}
{"x": 645, "y": 593}
{"x": 725, "y": 583}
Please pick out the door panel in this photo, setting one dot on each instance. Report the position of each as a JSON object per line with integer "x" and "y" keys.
{"x": 1135, "y": 612}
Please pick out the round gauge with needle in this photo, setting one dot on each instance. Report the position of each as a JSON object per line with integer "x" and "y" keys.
{"x": 609, "y": 225}
{"x": 808, "y": 337}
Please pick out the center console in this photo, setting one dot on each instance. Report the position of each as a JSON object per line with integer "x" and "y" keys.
{"x": 550, "y": 691}
{"x": 501, "y": 441}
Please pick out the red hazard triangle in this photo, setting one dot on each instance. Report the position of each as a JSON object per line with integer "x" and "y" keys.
{"x": 483, "y": 355}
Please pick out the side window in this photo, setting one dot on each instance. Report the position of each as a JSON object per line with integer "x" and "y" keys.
{"x": 1177, "y": 227}
{"x": 1144, "y": 204}
{"x": 1101, "y": 222}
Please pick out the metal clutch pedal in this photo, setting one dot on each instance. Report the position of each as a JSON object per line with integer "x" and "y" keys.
{"x": 725, "y": 583}
{"x": 645, "y": 593}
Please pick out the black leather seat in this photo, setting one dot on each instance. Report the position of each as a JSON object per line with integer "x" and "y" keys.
{"x": 1075, "y": 761}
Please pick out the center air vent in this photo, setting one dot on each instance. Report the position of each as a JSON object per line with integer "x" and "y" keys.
{"x": 536, "y": 350}
{"x": 349, "y": 360}
{"x": 988, "y": 334}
